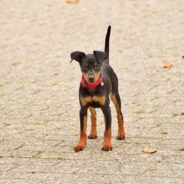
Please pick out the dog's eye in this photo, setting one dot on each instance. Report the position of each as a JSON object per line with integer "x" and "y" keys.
{"x": 85, "y": 68}
{"x": 96, "y": 67}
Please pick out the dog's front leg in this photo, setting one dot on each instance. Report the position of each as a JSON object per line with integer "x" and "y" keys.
{"x": 83, "y": 126}
{"x": 107, "y": 145}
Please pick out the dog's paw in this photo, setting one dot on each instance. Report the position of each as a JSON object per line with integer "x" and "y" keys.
{"x": 92, "y": 136}
{"x": 107, "y": 147}
{"x": 79, "y": 147}
{"x": 121, "y": 137}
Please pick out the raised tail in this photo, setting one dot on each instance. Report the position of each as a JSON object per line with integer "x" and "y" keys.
{"x": 106, "y": 49}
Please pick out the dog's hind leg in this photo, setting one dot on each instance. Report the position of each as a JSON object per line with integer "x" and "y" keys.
{"x": 117, "y": 102}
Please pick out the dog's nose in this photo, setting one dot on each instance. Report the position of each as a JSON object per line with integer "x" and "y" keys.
{"x": 91, "y": 76}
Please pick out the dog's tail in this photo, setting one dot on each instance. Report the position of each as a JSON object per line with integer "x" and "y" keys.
{"x": 106, "y": 49}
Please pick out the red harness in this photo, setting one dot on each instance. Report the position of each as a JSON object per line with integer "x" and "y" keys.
{"x": 91, "y": 85}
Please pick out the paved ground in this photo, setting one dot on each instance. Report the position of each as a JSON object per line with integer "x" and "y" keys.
{"x": 39, "y": 107}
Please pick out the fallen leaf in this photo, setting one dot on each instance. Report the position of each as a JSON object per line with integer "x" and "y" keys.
{"x": 59, "y": 157}
{"x": 167, "y": 65}
{"x": 180, "y": 149}
{"x": 41, "y": 122}
{"x": 140, "y": 111}
{"x": 149, "y": 150}
{"x": 178, "y": 114}
{"x": 164, "y": 132}
{"x": 16, "y": 63}
{"x": 72, "y": 1}
{"x": 2, "y": 85}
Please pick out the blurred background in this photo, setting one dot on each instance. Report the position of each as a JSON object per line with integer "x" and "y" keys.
{"x": 39, "y": 106}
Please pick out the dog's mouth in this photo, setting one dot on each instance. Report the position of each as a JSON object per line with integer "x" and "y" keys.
{"x": 91, "y": 80}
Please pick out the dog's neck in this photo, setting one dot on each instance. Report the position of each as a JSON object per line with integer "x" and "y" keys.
{"x": 92, "y": 87}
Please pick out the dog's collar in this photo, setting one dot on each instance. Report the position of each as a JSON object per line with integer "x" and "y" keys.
{"x": 91, "y": 85}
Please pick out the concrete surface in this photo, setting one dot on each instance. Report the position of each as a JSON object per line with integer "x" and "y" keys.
{"x": 39, "y": 122}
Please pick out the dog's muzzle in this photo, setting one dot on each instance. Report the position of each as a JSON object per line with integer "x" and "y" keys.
{"x": 91, "y": 76}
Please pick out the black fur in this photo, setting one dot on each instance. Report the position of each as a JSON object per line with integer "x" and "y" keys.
{"x": 95, "y": 63}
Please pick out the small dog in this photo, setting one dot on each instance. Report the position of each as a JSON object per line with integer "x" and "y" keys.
{"x": 98, "y": 82}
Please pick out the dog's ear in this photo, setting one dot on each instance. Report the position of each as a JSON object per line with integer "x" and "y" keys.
{"x": 100, "y": 56}
{"x": 77, "y": 55}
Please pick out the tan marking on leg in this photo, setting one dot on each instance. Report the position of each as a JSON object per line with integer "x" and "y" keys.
{"x": 82, "y": 140}
{"x": 93, "y": 132}
{"x": 85, "y": 100}
{"x": 107, "y": 145}
{"x": 121, "y": 130}
{"x": 99, "y": 99}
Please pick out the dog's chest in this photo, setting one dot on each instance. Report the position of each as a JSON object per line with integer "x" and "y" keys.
{"x": 92, "y": 91}
{"x": 93, "y": 101}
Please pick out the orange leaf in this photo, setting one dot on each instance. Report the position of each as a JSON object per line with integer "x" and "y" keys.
{"x": 72, "y": 1}
{"x": 149, "y": 150}
{"x": 167, "y": 65}
{"x": 179, "y": 114}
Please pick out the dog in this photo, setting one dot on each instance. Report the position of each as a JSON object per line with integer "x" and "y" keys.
{"x": 98, "y": 85}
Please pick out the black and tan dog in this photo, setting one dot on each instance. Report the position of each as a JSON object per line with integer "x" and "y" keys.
{"x": 98, "y": 82}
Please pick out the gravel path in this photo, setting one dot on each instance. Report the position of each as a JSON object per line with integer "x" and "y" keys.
{"x": 39, "y": 122}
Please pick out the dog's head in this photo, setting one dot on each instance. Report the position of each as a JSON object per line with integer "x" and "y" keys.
{"x": 90, "y": 64}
